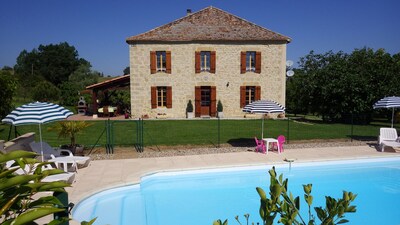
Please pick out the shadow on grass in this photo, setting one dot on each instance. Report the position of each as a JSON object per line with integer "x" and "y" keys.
{"x": 242, "y": 142}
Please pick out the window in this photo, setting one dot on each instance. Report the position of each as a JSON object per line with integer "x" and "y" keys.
{"x": 160, "y": 61}
{"x": 250, "y": 62}
{"x": 205, "y": 61}
{"x": 161, "y": 96}
{"x": 205, "y": 97}
{"x": 249, "y": 94}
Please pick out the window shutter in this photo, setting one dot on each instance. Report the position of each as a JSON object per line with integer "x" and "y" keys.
{"x": 242, "y": 96}
{"x": 197, "y": 62}
{"x": 258, "y": 93}
{"x": 168, "y": 61}
{"x": 153, "y": 97}
{"x": 197, "y": 101}
{"x": 258, "y": 62}
{"x": 213, "y": 106}
{"x": 169, "y": 97}
{"x": 243, "y": 62}
{"x": 153, "y": 62}
{"x": 212, "y": 62}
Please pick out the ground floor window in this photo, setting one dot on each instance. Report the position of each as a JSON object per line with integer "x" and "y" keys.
{"x": 161, "y": 96}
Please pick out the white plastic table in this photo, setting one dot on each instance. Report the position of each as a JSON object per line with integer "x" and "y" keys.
{"x": 64, "y": 161}
{"x": 270, "y": 141}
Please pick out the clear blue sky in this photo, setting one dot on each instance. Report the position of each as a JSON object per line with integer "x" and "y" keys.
{"x": 98, "y": 28}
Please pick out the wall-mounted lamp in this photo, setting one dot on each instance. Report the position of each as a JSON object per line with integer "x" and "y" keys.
{"x": 227, "y": 84}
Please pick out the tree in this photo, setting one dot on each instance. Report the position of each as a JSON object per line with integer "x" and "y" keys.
{"x": 54, "y": 62}
{"x": 127, "y": 70}
{"x": 83, "y": 76}
{"x": 8, "y": 86}
{"x": 45, "y": 91}
{"x": 337, "y": 85}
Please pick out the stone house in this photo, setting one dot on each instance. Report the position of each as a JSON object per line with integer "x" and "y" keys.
{"x": 204, "y": 57}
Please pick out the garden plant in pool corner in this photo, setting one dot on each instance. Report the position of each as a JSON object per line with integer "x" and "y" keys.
{"x": 283, "y": 203}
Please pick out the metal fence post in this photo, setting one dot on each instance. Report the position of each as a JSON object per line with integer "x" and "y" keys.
{"x": 288, "y": 129}
{"x": 219, "y": 131}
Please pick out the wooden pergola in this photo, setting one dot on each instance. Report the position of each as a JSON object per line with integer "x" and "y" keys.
{"x": 118, "y": 83}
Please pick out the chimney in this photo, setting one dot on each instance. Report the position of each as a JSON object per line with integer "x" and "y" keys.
{"x": 188, "y": 12}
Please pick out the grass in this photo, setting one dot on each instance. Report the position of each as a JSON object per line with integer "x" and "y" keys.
{"x": 204, "y": 132}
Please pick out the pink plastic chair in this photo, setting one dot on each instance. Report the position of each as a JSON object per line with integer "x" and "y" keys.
{"x": 281, "y": 139}
{"x": 260, "y": 146}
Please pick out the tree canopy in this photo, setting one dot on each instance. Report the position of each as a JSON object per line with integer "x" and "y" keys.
{"x": 335, "y": 85}
{"x": 8, "y": 86}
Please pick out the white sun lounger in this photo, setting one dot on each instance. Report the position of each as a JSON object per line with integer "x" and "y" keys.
{"x": 388, "y": 138}
{"x": 66, "y": 162}
{"x": 66, "y": 177}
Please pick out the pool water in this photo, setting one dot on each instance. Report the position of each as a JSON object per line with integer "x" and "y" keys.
{"x": 202, "y": 196}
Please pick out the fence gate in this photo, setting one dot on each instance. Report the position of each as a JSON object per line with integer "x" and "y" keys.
{"x": 124, "y": 133}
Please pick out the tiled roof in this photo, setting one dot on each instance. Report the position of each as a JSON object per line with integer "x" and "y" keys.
{"x": 114, "y": 82}
{"x": 209, "y": 24}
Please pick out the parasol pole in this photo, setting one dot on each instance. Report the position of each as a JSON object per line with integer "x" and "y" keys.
{"x": 392, "y": 116}
{"x": 41, "y": 143}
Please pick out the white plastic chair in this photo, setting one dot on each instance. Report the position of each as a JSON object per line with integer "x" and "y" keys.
{"x": 388, "y": 137}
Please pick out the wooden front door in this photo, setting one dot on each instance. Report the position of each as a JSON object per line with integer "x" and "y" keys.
{"x": 205, "y": 101}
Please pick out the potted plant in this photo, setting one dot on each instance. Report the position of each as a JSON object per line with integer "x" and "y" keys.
{"x": 189, "y": 110}
{"x": 220, "y": 109}
{"x": 69, "y": 129}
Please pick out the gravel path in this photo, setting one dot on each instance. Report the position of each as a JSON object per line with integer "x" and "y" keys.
{"x": 150, "y": 152}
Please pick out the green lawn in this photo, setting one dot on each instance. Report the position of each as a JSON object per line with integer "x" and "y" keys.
{"x": 204, "y": 132}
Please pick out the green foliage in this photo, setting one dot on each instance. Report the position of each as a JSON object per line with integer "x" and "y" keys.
{"x": 53, "y": 63}
{"x": 16, "y": 203}
{"x": 77, "y": 82}
{"x": 122, "y": 99}
{"x": 69, "y": 129}
{"x": 45, "y": 91}
{"x": 8, "y": 86}
{"x": 189, "y": 107}
{"x": 335, "y": 85}
{"x": 282, "y": 202}
{"x": 127, "y": 70}
{"x": 220, "y": 107}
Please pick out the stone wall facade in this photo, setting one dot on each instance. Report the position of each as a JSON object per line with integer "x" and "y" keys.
{"x": 227, "y": 79}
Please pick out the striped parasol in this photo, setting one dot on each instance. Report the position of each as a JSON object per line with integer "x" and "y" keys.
{"x": 37, "y": 113}
{"x": 264, "y": 107}
{"x": 388, "y": 102}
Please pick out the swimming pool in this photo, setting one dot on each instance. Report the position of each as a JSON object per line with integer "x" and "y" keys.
{"x": 202, "y": 196}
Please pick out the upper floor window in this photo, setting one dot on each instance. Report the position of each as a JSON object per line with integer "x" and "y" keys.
{"x": 205, "y": 61}
{"x": 250, "y": 62}
{"x": 161, "y": 64}
{"x": 160, "y": 61}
